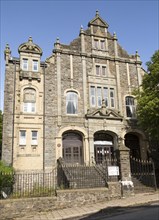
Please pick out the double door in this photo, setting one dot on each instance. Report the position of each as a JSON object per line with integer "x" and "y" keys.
{"x": 103, "y": 153}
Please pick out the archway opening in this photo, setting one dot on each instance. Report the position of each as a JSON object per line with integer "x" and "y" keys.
{"x": 72, "y": 143}
{"x": 133, "y": 143}
{"x": 103, "y": 146}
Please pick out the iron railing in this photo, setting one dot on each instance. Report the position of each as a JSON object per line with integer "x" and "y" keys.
{"x": 22, "y": 184}
{"x": 143, "y": 174}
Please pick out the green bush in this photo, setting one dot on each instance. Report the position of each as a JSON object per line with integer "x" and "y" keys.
{"x": 6, "y": 178}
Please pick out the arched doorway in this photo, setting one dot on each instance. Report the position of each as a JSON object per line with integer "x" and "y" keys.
{"x": 133, "y": 143}
{"x": 72, "y": 143}
{"x": 103, "y": 146}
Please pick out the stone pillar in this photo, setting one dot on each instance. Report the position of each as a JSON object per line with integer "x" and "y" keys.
{"x": 127, "y": 188}
{"x": 58, "y": 67}
{"x": 138, "y": 67}
{"x": 91, "y": 152}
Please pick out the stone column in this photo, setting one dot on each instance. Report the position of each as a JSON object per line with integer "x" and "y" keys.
{"x": 84, "y": 70}
{"x": 91, "y": 152}
{"x": 125, "y": 171}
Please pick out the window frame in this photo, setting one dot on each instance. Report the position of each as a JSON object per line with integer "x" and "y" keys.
{"x": 23, "y": 64}
{"x": 34, "y": 139}
{"x": 33, "y": 65}
{"x": 73, "y": 102}
{"x": 130, "y": 107}
{"x": 22, "y": 138}
{"x": 29, "y": 100}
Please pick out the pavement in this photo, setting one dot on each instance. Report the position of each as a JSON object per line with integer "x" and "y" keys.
{"x": 86, "y": 210}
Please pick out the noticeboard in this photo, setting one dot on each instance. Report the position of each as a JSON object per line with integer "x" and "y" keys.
{"x": 113, "y": 171}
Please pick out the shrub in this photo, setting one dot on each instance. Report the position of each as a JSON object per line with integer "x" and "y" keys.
{"x": 6, "y": 179}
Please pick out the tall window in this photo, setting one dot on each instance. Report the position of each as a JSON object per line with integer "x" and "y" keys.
{"x": 112, "y": 104}
{"x": 71, "y": 102}
{"x": 93, "y": 96}
{"x": 103, "y": 70}
{"x": 25, "y": 64}
{"x": 35, "y": 65}
{"x": 105, "y": 94}
{"x": 96, "y": 44}
{"x": 97, "y": 94}
{"x": 130, "y": 107}
{"x": 29, "y": 100}
{"x": 102, "y": 44}
{"x": 34, "y": 140}
{"x": 99, "y": 97}
{"x": 22, "y": 137}
{"x": 97, "y": 70}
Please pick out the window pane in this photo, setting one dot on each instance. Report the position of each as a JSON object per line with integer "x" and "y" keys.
{"x": 105, "y": 94}
{"x": 96, "y": 44}
{"x": 29, "y": 107}
{"x": 130, "y": 107}
{"x": 34, "y": 140}
{"x": 97, "y": 70}
{"x": 103, "y": 70}
{"x": 35, "y": 65}
{"x": 112, "y": 98}
{"x": 22, "y": 138}
{"x": 99, "y": 97}
{"x": 92, "y": 98}
{"x": 102, "y": 44}
{"x": 25, "y": 64}
{"x": 71, "y": 103}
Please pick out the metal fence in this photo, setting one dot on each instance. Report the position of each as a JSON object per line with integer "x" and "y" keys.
{"x": 143, "y": 174}
{"x": 84, "y": 176}
{"x": 22, "y": 184}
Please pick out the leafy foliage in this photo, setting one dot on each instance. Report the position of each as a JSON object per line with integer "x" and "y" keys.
{"x": 148, "y": 99}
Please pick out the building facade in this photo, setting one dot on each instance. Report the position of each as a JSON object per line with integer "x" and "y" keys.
{"x": 78, "y": 104}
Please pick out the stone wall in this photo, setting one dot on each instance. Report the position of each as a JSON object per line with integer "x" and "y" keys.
{"x": 12, "y": 208}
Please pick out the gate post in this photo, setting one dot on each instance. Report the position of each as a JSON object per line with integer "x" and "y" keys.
{"x": 127, "y": 188}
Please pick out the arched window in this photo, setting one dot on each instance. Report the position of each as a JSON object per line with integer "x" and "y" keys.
{"x": 29, "y": 100}
{"x": 130, "y": 107}
{"x": 71, "y": 102}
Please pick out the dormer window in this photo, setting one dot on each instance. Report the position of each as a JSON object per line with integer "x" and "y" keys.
{"x": 35, "y": 65}
{"x": 102, "y": 44}
{"x": 25, "y": 64}
{"x": 99, "y": 44}
{"x": 101, "y": 70}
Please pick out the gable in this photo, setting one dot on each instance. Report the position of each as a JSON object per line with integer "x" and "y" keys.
{"x": 98, "y": 21}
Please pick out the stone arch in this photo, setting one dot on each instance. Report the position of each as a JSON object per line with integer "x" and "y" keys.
{"x": 136, "y": 141}
{"x": 75, "y": 130}
{"x": 105, "y": 145}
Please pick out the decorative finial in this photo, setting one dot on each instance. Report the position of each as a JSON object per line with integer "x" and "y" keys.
{"x": 97, "y": 13}
{"x": 7, "y": 53}
{"x": 137, "y": 56}
{"x": 57, "y": 40}
{"x": 7, "y": 49}
{"x": 114, "y": 35}
{"x": 30, "y": 40}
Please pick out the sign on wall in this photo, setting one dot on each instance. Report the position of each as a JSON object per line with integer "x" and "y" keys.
{"x": 113, "y": 171}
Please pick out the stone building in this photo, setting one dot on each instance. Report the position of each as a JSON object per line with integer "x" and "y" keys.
{"x": 78, "y": 104}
